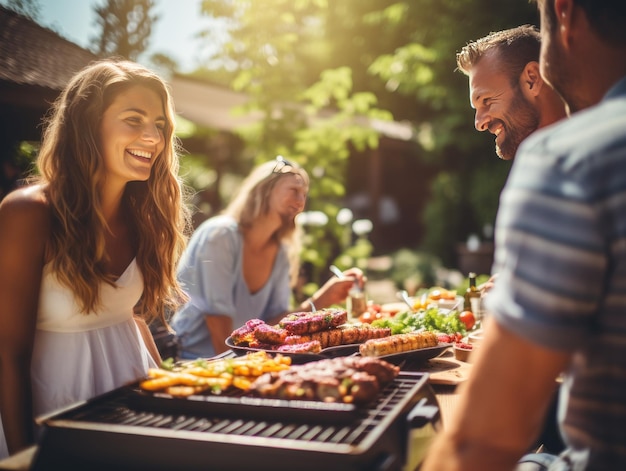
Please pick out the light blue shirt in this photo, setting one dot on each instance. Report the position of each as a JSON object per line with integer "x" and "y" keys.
{"x": 211, "y": 273}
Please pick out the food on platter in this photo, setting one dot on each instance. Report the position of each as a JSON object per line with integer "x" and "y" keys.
{"x": 245, "y": 333}
{"x": 313, "y": 346}
{"x": 265, "y": 333}
{"x": 433, "y": 318}
{"x": 342, "y": 335}
{"x": 437, "y": 296}
{"x": 304, "y": 323}
{"x": 398, "y": 343}
{"x": 213, "y": 375}
{"x": 355, "y": 380}
{"x": 283, "y": 337}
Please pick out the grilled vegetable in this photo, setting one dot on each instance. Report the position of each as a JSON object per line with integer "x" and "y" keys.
{"x": 216, "y": 375}
{"x": 163, "y": 379}
{"x": 398, "y": 344}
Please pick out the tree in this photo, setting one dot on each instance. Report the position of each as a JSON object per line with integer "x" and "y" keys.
{"x": 125, "y": 28}
{"x": 361, "y": 58}
{"x": 312, "y": 113}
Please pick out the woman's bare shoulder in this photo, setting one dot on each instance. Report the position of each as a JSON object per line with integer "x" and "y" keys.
{"x": 25, "y": 209}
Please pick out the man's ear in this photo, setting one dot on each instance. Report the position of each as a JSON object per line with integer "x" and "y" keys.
{"x": 530, "y": 80}
{"x": 564, "y": 11}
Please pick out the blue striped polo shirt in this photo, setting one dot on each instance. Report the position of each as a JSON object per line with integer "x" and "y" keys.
{"x": 561, "y": 264}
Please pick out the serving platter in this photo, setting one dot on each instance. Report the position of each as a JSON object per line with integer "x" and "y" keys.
{"x": 415, "y": 356}
{"x": 330, "y": 352}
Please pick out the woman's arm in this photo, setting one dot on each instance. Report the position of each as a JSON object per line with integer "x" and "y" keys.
{"x": 148, "y": 339}
{"x": 220, "y": 328}
{"x": 335, "y": 290}
{"x": 24, "y": 230}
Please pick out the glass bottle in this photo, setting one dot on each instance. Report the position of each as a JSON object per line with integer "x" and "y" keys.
{"x": 472, "y": 296}
{"x": 356, "y": 304}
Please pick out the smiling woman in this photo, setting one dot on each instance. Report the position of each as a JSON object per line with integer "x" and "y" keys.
{"x": 88, "y": 250}
{"x": 132, "y": 134}
{"x": 241, "y": 264}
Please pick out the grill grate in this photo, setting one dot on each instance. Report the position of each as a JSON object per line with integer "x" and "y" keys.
{"x": 122, "y": 410}
{"x": 161, "y": 435}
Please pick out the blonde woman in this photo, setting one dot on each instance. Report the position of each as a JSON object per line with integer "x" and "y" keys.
{"x": 241, "y": 264}
{"x": 100, "y": 230}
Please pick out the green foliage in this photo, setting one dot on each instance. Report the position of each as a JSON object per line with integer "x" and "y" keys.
{"x": 320, "y": 71}
{"x": 440, "y": 217}
{"x": 487, "y": 181}
{"x": 124, "y": 28}
{"x": 413, "y": 269}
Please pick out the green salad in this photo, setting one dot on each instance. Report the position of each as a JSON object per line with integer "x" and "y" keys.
{"x": 432, "y": 319}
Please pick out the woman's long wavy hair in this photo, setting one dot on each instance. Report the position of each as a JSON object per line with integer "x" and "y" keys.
{"x": 252, "y": 200}
{"x": 72, "y": 170}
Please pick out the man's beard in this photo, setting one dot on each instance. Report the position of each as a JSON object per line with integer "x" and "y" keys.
{"x": 521, "y": 123}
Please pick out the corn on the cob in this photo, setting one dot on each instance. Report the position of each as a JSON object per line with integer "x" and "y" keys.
{"x": 398, "y": 344}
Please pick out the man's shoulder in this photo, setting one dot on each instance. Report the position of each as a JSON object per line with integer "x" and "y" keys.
{"x": 587, "y": 133}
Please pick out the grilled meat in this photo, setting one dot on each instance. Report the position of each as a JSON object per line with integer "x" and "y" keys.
{"x": 303, "y": 323}
{"x": 398, "y": 344}
{"x": 307, "y": 347}
{"x": 271, "y": 335}
{"x": 245, "y": 333}
{"x": 258, "y": 334}
{"x": 342, "y": 335}
{"x": 342, "y": 379}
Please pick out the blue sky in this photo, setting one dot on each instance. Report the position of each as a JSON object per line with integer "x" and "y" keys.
{"x": 173, "y": 34}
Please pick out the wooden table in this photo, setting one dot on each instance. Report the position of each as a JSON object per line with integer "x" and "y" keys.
{"x": 446, "y": 373}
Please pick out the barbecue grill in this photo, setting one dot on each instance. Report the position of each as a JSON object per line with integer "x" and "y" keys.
{"x": 128, "y": 429}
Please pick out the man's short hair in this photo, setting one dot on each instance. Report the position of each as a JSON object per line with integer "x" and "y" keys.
{"x": 515, "y": 47}
{"x": 606, "y": 17}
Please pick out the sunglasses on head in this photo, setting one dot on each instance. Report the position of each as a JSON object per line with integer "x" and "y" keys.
{"x": 282, "y": 164}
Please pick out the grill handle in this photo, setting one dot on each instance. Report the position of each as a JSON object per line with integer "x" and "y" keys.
{"x": 423, "y": 414}
{"x": 387, "y": 462}
{"x": 423, "y": 422}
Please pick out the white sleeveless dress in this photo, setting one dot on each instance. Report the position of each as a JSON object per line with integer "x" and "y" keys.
{"x": 78, "y": 356}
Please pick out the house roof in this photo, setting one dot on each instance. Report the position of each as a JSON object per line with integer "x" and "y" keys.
{"x": 210, "y": 105}
{"x": 218, "y": 107}
{"x": 33, "y": 55}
